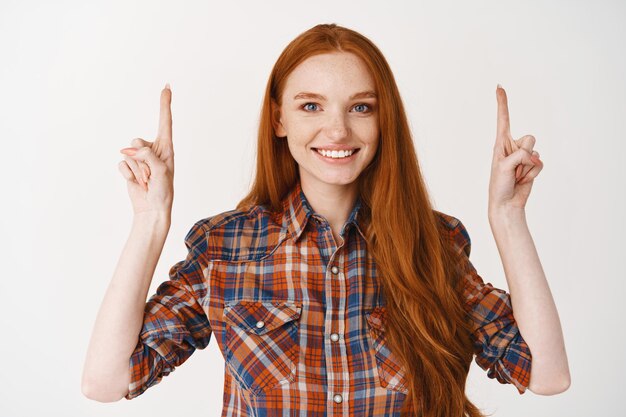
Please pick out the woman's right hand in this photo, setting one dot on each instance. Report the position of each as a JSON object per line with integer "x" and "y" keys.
{"x": 148, "y": 167}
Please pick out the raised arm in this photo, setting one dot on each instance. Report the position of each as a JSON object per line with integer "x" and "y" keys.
{"x": 148, "y": 169}
{"x": 515, "y": 166}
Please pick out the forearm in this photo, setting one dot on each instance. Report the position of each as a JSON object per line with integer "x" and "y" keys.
{"x": 119, "y": 320}
{"x": 534, "y": 308}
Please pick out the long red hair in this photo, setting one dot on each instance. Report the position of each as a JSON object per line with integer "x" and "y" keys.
{"x": 427, "y": 327}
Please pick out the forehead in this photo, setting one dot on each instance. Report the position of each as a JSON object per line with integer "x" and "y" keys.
{"x": 341, "y": 73}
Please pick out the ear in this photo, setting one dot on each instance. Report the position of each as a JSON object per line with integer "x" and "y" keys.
{"x": 279, "y": 129}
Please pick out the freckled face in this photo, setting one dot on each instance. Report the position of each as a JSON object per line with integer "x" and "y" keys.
{"x": 329, "y": 116}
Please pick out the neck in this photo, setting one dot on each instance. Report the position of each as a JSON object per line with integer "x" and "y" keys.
{"x": 333, "y": 202}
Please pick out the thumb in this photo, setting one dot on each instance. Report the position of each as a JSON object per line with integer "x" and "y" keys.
{"x": 519, "y": 157}
{"x": 147, "y": 156}
{"x": 139, "y": 142}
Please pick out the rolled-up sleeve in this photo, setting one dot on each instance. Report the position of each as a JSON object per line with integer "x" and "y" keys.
{"x": 498, "y": 344}
{"x": 175, "y": 323}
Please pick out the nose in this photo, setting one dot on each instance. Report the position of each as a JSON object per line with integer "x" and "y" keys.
{"x": 337, "y": 127}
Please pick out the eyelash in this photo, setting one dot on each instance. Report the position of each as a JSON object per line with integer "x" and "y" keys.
{"x": 360, "y": 104}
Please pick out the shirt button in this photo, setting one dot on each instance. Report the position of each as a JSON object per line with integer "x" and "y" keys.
{"x": 337, "y": 398}
{"x": 334, "y": 270}
{"x": 260, "y": 324}
{"x": 334, "y": 337}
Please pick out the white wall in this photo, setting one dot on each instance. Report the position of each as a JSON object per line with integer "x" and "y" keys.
{"x": 80, "y": 79}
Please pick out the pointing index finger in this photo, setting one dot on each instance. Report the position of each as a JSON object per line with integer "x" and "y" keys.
{"x": 503, "y": 130}
{"x": 165, "y": 116}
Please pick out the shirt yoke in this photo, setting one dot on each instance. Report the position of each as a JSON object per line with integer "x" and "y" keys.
{"x": 242, "y": 235}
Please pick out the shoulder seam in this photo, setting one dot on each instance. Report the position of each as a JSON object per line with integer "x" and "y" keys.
{"x": 212, "y": 223}
{"x": 232, "y": 215}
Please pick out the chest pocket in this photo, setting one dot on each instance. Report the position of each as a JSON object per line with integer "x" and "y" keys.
{"x": 262, "y": 343}
{"x": 390, "y": 373}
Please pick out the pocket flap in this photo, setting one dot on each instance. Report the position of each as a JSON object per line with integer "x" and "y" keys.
{"x": 376, "y": 318}
{"x": 260, "y": 317}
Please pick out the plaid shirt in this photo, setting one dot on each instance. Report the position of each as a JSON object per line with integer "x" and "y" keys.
{"x": 299, "y": 320}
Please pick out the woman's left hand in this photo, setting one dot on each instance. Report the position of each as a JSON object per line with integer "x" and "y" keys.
{"x": 514, "y": 166}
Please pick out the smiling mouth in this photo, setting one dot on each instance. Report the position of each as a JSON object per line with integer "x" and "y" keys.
{"x": 334, "y": 154}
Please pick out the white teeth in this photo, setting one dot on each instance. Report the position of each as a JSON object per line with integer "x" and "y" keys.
{"x": 336, "y": 154}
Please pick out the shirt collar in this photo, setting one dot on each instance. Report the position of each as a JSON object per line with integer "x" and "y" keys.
{"x": 297, "y": 211}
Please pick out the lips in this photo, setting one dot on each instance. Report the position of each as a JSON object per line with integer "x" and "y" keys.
{"x": 337, "y": 148}
{"x": 336, "y": 153}
{"x": 354, "y": 150}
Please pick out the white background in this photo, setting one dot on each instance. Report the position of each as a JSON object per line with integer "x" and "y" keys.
{"x": 80, "y": 79}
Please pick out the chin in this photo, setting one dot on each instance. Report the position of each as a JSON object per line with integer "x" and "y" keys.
{"x": 338, "y": 181}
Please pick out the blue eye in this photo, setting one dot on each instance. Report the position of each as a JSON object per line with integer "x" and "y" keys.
{"x": 364, "y": 108}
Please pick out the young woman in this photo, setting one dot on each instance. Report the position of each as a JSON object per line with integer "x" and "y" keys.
{"x": 334, "y": 287}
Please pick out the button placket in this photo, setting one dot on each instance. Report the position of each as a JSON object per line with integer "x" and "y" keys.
{"x": 335, "y": 313}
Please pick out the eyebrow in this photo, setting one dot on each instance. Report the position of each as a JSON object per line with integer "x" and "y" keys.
{"x": 307, "y": 95}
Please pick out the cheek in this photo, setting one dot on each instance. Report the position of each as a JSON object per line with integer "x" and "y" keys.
{"x": 296, "y": 145}
{"x": 373, "y": 139}
{"x": 371, "y": 154}
{"x": 368, "y": 130}
{"x": 300, "y": 137}
{"x": 292, "y": 148}
{"x": 373, "y": 146}
{"x": 297, "y": 150}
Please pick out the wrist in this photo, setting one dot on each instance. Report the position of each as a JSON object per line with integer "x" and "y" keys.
{"x": 153, "y": 219}
{"x": 506, "y": 219}
{"x": 506, "y": 212}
